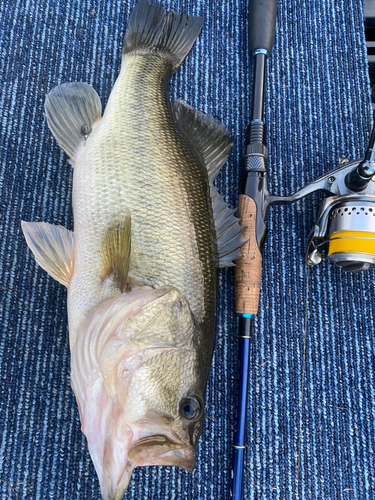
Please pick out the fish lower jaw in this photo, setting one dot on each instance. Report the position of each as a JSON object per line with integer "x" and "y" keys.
{"x": 161, "y": 450}
{"x": 181, "y": 457}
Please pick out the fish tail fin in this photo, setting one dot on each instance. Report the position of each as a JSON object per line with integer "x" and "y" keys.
{"x": 151, "y": 28}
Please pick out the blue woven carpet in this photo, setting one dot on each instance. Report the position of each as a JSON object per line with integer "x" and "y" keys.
{"x": 317, "y": 109}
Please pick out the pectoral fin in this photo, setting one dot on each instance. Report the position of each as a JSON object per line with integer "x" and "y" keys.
{"x": 53, "y": 248}
{"x": 116, "y": 250}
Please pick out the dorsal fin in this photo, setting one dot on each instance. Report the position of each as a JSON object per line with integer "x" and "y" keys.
{"x": 71, "y": 109}
{"x": 209, "y": 141}
{"x": 206, "y": 136}
{"x": 152, "y": 29}
{"x": 53, "y": 248}
{"x": 116, "y": 250}
{"x": 229, "y": 236}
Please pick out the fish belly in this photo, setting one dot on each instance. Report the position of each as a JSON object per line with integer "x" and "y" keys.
{"x": 134, "y": 159}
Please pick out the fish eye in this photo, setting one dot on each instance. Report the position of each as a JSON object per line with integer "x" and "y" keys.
{"x": 190, "y": 408}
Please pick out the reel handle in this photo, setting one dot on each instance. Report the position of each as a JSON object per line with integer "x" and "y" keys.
{"x": 262, "y": 25}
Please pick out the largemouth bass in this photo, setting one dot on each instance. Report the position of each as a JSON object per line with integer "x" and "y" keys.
{"x": 150, "y": 230}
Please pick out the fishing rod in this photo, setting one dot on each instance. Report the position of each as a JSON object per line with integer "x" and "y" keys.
{"x": 261, "y": 37}
{"x": 344, "y": 232}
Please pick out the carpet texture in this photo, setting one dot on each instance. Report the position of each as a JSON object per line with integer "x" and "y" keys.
{"x": 317, "y": 109}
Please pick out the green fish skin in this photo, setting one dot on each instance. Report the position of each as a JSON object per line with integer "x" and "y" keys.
{"x": 150, "y": 231}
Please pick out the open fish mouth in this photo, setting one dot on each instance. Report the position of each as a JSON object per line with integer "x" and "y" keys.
{"x": 155, "y": 449}
{"x": 161, "y": 450}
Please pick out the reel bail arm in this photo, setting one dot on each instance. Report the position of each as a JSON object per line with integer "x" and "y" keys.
{"x": 359, "y": 178}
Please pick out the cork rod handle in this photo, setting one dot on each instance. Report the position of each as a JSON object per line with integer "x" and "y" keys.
{"x": 248, "y": 270}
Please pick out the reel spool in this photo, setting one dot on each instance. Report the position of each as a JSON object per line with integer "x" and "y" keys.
{"x": 346, "y": 221}
{"x": 351, "y": 235}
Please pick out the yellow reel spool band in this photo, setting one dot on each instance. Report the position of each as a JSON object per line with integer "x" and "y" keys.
{"x": 352, "y": 241}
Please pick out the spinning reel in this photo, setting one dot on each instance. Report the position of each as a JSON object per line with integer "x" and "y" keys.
{"x": 345, "y": 228}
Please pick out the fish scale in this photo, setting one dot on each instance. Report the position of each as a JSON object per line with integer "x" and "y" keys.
{"x": 171, "y": 233}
